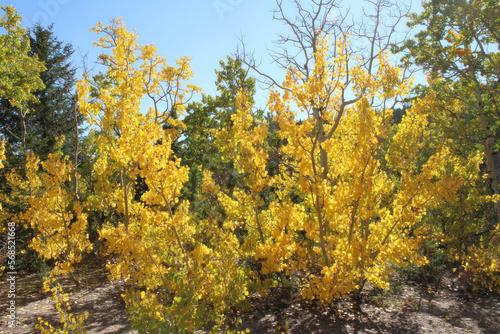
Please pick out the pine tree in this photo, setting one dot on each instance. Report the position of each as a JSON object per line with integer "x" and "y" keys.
{"x": 52, "y": 115}
{"x": 197, "y": 148}
{"x": 36, "y": 125}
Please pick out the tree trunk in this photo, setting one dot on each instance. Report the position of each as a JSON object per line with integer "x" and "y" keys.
{"x": 75, "y": 162}
{"x": 23, "y": 130}
{"x": 488, "y": 151}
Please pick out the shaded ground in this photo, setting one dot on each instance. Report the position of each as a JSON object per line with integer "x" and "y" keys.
{"x": 96, "y": 295}
{"x": 410, "y": 310}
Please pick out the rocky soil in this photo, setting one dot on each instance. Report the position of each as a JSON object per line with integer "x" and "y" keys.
{"x": 410, "y": 309}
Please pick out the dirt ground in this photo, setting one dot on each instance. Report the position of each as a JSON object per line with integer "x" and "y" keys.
{"x": 412, "y": 309}
{"x": 96, "y": 295}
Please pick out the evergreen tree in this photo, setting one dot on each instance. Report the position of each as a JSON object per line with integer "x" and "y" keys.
{"x": 53, "y": 114}
{"x": 197, "y": 148}
{"x": 36, "y": 125}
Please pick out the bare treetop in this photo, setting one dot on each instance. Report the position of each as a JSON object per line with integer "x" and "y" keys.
{"x": 372, "y": 27}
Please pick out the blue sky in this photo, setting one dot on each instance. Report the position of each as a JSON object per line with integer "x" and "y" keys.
{"x": 205, "y": 30}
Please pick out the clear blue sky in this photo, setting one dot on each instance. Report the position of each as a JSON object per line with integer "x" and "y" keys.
{"x": 204, "y": 30}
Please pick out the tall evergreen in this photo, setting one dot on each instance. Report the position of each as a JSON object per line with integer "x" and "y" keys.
{"x": 47, "y": 119}
{"x": 197, "y": 148}
{"x": 53, "y": 114}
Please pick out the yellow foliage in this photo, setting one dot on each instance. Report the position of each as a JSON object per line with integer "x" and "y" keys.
{"x": 354, "y": 218}
{"x": 349, "y": 200}
{"x": 70, "y": 323}
{"x": 179, "y": 281}
{"x": 58, "y": 219}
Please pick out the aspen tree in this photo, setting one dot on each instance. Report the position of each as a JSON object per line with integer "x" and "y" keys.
{"x": 457, "y": 46}
{"x": 179, "y": 282}
{"x": 354, "y": 217}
